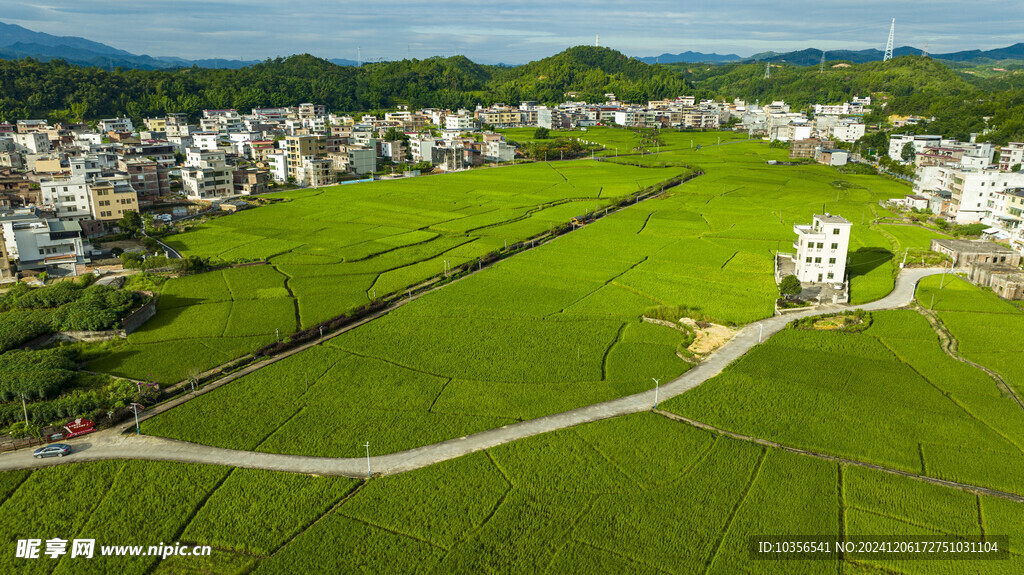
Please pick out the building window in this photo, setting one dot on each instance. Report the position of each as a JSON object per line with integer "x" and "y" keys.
{"x": 808, "y": 260}
{"x": 821, "y": 245}
{"x": 831, "y": 260}
{"x": 835, "y": 246}
{"x": 830, "y": 275}
{"x": 817, "y": 260}
{"x": 835, "y": 231}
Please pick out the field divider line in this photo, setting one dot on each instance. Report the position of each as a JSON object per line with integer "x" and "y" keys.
{"x": 341, "y": 501}
{"x": 904, "y": 519}
{"x": 735, "y": 510}
{"x": 951, "y": 347}
{"x": 192, "y": 515}
{"x": 975, "y": 489}
{"x": 949, "y": 395}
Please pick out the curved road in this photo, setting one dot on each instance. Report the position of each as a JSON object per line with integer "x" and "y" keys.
{"x": 110, "y": 444}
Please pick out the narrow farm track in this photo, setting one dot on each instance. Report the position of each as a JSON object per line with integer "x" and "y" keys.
{"x": 110, "y": 444}
{"x": 953, "y": 484}
{"x": 950, "y": 346}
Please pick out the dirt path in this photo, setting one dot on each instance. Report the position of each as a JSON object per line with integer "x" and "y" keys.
{"x": 953, "y": 484}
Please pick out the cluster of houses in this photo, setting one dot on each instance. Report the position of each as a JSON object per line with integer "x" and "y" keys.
{"x": 966, "y": 182}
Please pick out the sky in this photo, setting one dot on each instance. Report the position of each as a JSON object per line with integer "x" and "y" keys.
{"x": 515, "y": 33}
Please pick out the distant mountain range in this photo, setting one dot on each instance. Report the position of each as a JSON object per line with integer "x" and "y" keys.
{"x": 812, "y": 56}
{"x": 17, "y": 42}
{"x": 691, "y": 57}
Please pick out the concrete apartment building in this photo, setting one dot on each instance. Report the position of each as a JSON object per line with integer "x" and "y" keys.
{"x": 249, "y": 181}
{"x": 299, "y": 147}
{"x": 821, "y": 249}
{"x": 206, "y": 175}
{"x": 69, "y": 197}
{"x": 150, "y": 179}
{"x": 805, "y": 148}
{"x": 111, "y": 198}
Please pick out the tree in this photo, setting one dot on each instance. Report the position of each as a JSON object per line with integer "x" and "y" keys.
{"x": 394, "y": 134}
{"x": 909, "y": 152}
{"x": 130, "y": 222}
{"x": 1015, "y": 168}
{"x": 790, "y": 285}
{"x": 541, "y": 134}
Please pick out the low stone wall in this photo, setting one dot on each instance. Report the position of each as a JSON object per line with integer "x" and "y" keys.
{"x": 134, "y": 320}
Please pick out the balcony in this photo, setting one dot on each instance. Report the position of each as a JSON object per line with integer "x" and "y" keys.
{"x": 808, "y": 232}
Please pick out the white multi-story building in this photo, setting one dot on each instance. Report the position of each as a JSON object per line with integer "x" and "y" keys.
{"x": 206, "y": 175}
{"x": 459, "y": 122}
{"x": 205, "y": 140}
{"x": 314, "y": 171}
{"x": 32, "y": 142}
{"x": 1010, "y": 155}
{"x": 116, "y": 125}
{"x": 277, "y": 164}
{"x": 498, "y": 151}
{"x": 847, "y": 131}
{"x": 972, "y": 190}
{"x": 821, "y": 249}
{"x": 50, "y": 245}
{"x": 69, "y": 197}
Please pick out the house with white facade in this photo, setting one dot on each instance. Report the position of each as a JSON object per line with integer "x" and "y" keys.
{"x": 821, "y": 249}
{"x": 206, "y": 175}
{"x": 1011, "y": 155}
{"x": 36, "y": 243}
{"x": 69, "y": 197}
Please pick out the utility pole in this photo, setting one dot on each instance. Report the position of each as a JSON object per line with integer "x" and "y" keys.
{"x": 24, "y": 408}
{"x": 369, "y": 474}
{"x": 821, "y": 67}
{"x": 135, "y": 409}
{"x": 656, "y": 384}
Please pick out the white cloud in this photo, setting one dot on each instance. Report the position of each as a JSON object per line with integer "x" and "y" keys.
{"x": 513, "y": 33}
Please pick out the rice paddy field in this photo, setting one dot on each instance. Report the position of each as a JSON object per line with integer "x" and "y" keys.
{"x": 551, "y": 329}
{"x": 888, "y": 395}
{"x": 637, "y": 494}
{"x": 989, "y": 330}
{"x": 332, "y": 250}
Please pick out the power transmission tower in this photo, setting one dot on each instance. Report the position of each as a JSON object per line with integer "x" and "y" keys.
{"x": 821, "y": 67}
{"x": 597, "y": 40}
{"x": 359, "y": 51}
{"x": 888, "y": 45}
{"x": 924, "y": 52}
{"x": 767, "y": 71}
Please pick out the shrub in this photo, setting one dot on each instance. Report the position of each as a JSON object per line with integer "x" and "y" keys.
{"x": 790, "y": 285}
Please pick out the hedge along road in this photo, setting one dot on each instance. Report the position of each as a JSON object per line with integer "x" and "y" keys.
{"x": 110, "y": 444}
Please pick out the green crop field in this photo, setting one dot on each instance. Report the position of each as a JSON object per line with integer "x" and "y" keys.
{"x": 635, "y": 494}
{"x": 875, "y": 396}
{"x": 988, "y": 329}
{"x": 551, "y": 329}
{"x": 330, "y": 251}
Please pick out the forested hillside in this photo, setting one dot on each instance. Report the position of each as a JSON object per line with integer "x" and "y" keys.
{"x": 31, "y": 89}
{"x": 906, "y": 85}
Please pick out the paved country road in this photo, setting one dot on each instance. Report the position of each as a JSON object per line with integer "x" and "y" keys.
{"x": 111, "y": 444}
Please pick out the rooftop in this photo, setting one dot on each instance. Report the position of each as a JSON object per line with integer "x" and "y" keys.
{"x": 974, "y": 246}
{"x": 830, "y": 219}
{"x": 59, "y": 226}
